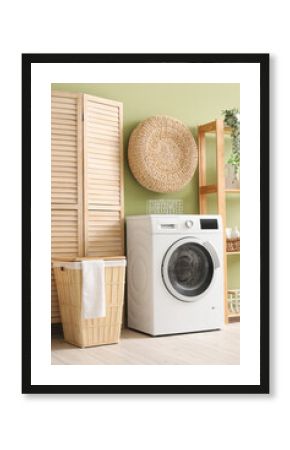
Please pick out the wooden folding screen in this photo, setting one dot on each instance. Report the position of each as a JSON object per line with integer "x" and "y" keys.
{"x": 86, "y": 179}
{"x": 103, "y": 177}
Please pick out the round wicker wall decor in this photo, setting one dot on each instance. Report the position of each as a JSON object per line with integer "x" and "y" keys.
{"x": 162, "y": 154}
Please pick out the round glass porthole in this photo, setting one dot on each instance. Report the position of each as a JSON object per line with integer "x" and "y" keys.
{"x": 187, "y": 270}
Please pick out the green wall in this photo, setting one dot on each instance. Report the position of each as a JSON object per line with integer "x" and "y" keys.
{"x": 193, "y": 104}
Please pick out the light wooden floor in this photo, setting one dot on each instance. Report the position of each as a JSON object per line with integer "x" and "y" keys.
{"x": 214, "y": 347}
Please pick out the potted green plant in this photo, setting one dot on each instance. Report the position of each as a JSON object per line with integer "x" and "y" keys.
{"x": 232, "y": 169}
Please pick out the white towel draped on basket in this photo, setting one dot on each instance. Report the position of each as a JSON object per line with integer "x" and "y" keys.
{"x": 93, "y": 290}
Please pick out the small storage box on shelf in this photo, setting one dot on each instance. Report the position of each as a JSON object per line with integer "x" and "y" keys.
{"x": 234, "y": 302}
{"x": 90, "y": 332}
{"x": 233, "y": 245}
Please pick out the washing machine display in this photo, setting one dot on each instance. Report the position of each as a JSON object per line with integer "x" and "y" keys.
{"x": 187, "y": 269}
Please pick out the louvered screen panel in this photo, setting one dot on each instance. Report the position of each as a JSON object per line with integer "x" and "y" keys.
{"x": 104, "y": 233}
{"x": 103, "y": 177}
{"x": 66, "y": 181}
{"x": 64, "y": 232}
{"x": 64, "y": 242}
{"x": 64, "y": 149}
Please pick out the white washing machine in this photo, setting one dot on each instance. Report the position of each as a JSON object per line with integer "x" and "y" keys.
{"x": 175, "y": 273}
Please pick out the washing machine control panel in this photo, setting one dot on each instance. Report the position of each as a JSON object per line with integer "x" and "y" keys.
{"x": 189, "y": 223}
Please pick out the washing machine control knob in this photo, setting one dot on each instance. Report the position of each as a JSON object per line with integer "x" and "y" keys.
{"x": 189, "y": 223}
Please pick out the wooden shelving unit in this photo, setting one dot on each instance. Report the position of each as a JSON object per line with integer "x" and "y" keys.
{"x": 217, "y": 127}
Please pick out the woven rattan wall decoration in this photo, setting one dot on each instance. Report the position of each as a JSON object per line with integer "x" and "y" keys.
{"x": 162, "y": 154}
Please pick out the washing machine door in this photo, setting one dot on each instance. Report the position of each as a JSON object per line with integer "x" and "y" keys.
{"x": 188, "y": 268}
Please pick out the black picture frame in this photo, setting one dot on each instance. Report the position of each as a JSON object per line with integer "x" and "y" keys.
{"x": 263, "y": 61}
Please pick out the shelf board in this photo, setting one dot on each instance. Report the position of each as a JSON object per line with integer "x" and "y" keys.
{"x": 233, "y": 253}
{"x": 208, "y": 189}
{"x": 232, "y": 191}
{"x": 212, "y": 188}
{"x": 210, "y": 127}
{"x": 233, "y": 315}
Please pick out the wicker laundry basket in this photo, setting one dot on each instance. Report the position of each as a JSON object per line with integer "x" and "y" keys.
{"x": 90, "y": 332}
